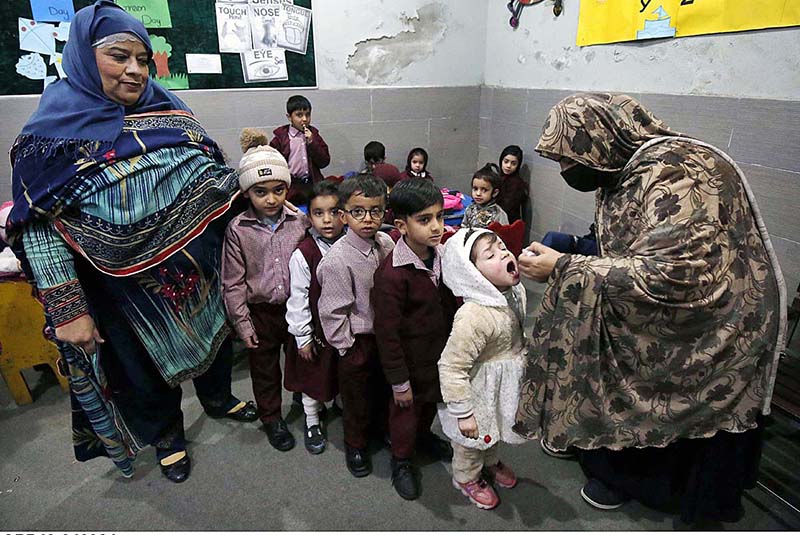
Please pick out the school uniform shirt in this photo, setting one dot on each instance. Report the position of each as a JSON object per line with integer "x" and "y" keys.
{"x": 298, "y": 307}
{"x": 346, "y": 277}
{"x": 317, "y": 154}
{"x": 413, "y": 317}
{"x": 255, "y": 263}
{"x": 298, "y": 155}
{"x": 405, "y": 175}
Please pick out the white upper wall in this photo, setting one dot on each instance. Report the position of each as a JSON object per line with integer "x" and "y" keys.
{"x": 369, "y": 43}
{"x": 542, "y": 54}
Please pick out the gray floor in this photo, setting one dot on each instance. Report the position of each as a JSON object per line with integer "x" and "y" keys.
{"x": 240, "y": 483}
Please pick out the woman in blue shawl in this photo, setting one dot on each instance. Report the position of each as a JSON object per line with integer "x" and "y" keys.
{"x": 120, "y": 204}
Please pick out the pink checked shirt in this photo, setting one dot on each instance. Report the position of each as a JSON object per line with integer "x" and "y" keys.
{"x": 298, "y": 153}
{"x": 346, "y": 277}
{"x": 255, "y": 263}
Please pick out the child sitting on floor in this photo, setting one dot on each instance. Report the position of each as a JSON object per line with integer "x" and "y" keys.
{"x": 513, "y": 197}
{"x": 482, "y": 363}
{"x": 374, "y": 153}
{"x": 416, "y": 165}
{"x": 484, "y": 209}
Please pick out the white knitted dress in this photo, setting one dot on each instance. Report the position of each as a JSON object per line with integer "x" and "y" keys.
{"x": 482, "y": 363}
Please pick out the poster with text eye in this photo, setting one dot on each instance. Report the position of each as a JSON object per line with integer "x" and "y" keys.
{"x": 612, "y": 21}
{"x": 185, "y": 39}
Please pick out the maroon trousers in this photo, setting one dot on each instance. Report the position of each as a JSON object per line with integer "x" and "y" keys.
{"x": 269, "y": 322}
{"x": 364, "y": 391}
{"x": 405, "y": 424}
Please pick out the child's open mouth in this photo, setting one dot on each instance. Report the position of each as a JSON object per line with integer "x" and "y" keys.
{"x": 511, "y": 267}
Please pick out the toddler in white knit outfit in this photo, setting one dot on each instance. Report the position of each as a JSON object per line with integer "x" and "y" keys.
{"x": 482, "y": 363}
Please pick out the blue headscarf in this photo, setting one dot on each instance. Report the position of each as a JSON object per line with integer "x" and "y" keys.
{"x": 75, "y": 119}
{"x": 76, "y": 108}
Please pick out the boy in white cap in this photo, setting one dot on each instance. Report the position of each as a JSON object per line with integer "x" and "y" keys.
{"x": 255, "y": 274}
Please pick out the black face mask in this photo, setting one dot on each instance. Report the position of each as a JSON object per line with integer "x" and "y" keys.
{"x": 586, "y": 179}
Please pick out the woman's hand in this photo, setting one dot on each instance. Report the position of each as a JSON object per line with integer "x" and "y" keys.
{"x": 468, "y": 426}
{"x": 540, "y": 265}
{"x": 81, "y": 332}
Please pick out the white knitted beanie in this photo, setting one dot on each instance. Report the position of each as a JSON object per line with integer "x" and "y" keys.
{"x": 260, "y": 164}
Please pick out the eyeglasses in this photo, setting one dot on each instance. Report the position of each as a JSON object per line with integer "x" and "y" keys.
{"x": 359, "y": 213}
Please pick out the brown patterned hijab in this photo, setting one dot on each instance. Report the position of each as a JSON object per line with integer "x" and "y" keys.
{"x": 599, "y": 130}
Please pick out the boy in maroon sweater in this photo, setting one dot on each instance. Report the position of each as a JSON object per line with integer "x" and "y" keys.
{"x": 413, "y": 317}
{"x": 303, "y": 147}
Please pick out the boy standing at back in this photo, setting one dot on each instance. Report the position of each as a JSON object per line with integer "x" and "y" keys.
{"x": 303, "y": 147}
{"x": 413, "y": 318}
{"x": 345, "y": 276}
{"x": 255, "y": 278}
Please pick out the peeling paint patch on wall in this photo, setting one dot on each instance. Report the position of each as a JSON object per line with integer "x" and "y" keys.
{"x": 381, "y": 60}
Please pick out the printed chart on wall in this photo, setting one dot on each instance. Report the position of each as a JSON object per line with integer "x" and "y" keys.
{"x": 612, "y": 21}
{"x": 197, "y": 44}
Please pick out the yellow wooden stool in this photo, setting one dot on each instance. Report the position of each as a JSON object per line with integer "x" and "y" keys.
{"x": 22, "y": 344}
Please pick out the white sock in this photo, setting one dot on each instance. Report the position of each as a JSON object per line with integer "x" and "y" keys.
{"x": 311, "y": 407}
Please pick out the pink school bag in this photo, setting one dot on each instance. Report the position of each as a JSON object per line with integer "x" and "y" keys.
{"x": 452, "y": 201}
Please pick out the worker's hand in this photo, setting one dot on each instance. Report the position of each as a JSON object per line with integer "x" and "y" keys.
{"x": 468, "y": 426}
{"x": 81, "y": 332}
{"x": 539, "y": 265}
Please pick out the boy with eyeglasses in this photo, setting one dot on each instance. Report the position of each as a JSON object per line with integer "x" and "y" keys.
{"x": 345, "y": 276}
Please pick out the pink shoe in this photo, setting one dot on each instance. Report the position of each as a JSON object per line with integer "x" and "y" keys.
{"x": 502, "y": 475}
{"x": 479, "y": 492}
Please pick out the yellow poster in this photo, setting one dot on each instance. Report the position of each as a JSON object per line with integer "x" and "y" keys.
{"x": 611, "y": 21}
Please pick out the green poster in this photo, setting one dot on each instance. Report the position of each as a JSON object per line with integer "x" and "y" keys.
{"x": 153, "y": 13}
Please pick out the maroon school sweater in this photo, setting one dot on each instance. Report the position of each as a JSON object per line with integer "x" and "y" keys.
{"x": 318, "y": 155}
{"x": 413, "y": 319}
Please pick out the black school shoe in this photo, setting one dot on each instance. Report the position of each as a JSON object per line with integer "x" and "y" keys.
{"x": 314, "y": 439}
{"x": 279, "y": 435}
{"x": 435, "y": 446}
{"x": 598, "y": 495}
{"x": 177, "y": 472}
{"x": 357, "y": 461}
{"x": 248, "y": 413}
{"x": 403, "y": 479}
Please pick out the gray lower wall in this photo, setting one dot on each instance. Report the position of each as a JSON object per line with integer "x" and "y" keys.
{"x": 763, "y": 136}
{"x": 444, "y": 120}
{"x": 463, "y": 127}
